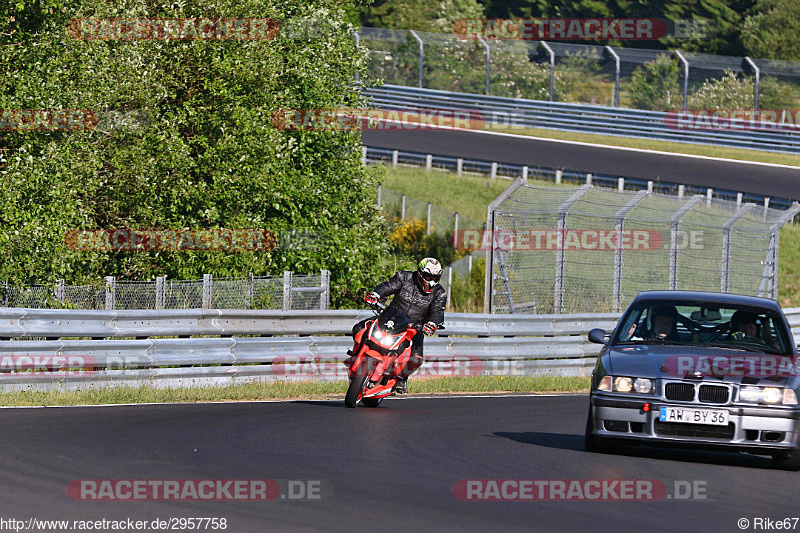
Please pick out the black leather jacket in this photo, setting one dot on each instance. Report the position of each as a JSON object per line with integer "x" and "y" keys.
{"x": 420, "y": 306}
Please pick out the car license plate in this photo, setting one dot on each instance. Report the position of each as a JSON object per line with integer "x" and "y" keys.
{"x": 694, "y": 416}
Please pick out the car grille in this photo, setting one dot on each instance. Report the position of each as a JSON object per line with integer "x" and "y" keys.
{"x": 713, "y": 394}
{"x": 682, "y": 392}
{"x": 670, "y": 429}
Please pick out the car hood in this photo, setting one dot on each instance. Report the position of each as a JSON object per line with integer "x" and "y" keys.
{"x": 715, "y": 364}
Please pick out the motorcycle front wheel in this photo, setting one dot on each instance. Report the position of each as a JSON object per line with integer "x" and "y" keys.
{"x": 356, "y": 384}
{"x": 371, "y": 402}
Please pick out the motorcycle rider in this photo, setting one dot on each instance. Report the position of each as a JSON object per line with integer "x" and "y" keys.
{"x": 420, "y": 296}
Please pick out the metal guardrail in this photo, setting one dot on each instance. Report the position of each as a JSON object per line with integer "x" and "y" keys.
{"x": 126, "y": 348}
{"x": 578, "y": 118}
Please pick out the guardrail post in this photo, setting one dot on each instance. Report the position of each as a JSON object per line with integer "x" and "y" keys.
{"x": 160, "y": 292}
{"x": 494, "y": 170}
{"x": 681, "y": 191}
{"x": 207, "y": 288}
{"x": 589, "y": 178}
{"x": 525, "y": 173}
{"x": 403, "y": 207}
{"x": 559, "y": 175}
{"x": 738, "y": 199}
{"x": 428, "y": 162}
{"x": 469, "y": 263}
{"x": 364, "y": 155}
{"x": 621, "y": 184}
{"x": 421, "y": 55}
{"x": 325, "y": 283}
{"x": 395, "y": 155}
{"x": 287, "y": 290}
{"x": 111, "y": 290}
{"x": 709, "y": 194}
{"x": 459, "y": 166}
{"x": 650, "y": 186}
{"x": 455, "y": 226}
{"x": 428, "y": 220}
{"x": 60, "y": 292}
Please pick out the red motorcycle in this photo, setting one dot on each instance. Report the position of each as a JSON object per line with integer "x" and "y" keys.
{"x": 381, "y": 351}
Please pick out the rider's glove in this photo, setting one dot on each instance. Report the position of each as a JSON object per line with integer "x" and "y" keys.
{"x": 372, "y": 298}
{"x": 429, "y": 328}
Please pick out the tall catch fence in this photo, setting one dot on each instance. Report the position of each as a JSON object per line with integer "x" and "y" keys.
{"x": 580, "y": 73}
{"x": 287, "y": 292}
{"x": 564, "y": 249}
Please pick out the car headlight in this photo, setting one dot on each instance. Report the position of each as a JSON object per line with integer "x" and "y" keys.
{"x": 772, "y": 395}
{"x": 626, "y": 384}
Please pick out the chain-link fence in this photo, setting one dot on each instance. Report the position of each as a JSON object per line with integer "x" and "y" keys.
{"x": 588, "y": 249}
{"x": 290, "y": 291}
{"x": 657, "y": 80}
{"x": 436, "y": 219}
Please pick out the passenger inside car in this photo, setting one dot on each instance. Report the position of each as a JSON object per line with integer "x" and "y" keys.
{"x": 745, "y": 327}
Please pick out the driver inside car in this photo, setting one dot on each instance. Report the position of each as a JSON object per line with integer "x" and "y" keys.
{"x": 664, "y": 324}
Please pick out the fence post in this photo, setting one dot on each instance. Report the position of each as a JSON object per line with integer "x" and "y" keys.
{"x": 325, "y": 283}
{"x": 552, "y": 67}
{"x": 403, "y": 207}
{"x": 287, "y": 290}
{"x": 251, "y": 291}
{"x": 724, "y": 284}
{"x": 207, "y": 282}
{"x": 455, "y": 226}
{"x": 60, "y": 292}
{"x": 685, "y": 78}
{"x": 358, "y": 42}
{"x": 449, "y": 284}
{"x": 469, "y": 263}
{"x": 379, "y": 195}
{"x": 525, "y": 173}
{"x": 673, "y": 243}
{"x": 563, "y": 210}
{"x": 615, "y": 97}
{"x": 395, "y": 156}
{"x": 488, "y": 62}
{"x": 428, "y": 220}
{"x": 421, "y": 55}
{"x": 619, "y": 226}
{"x": 160, "y": 292}
{"x": 758, "y": 80}
{"x": 111, "y": 289}
{"x": 364, "y": 155}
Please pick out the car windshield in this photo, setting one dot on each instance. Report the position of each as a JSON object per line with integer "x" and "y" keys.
{"x": 743, "y": 328}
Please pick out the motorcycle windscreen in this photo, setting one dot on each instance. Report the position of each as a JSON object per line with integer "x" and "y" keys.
{"x": 385, "y": 339}
{"x": 393, "y": 321}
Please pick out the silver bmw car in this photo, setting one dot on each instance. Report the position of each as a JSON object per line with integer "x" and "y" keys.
{"x": 698, "y": 369}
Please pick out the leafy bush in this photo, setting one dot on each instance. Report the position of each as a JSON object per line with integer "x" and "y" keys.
{"x": 732, "y": 92}
{"x": 654, "y": 85}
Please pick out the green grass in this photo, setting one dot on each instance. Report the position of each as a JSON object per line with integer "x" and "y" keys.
{"x": 288, "y": 390}
{"x": 789, "y": 266}
{"x": 663, "y": 146}
{"x": 468, "y": 195}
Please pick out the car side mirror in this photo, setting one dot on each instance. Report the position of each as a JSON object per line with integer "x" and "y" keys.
{"x": 598, "y": 336}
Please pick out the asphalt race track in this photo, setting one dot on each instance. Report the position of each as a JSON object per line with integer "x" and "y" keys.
{"x": 391, "y": 468}
{"x": 778, "y": 182}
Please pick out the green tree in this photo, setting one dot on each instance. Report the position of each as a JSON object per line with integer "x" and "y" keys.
{"x": 203, "y": 152}
{"x": 654, "y": 85}
{"x": 773, "y": 32}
